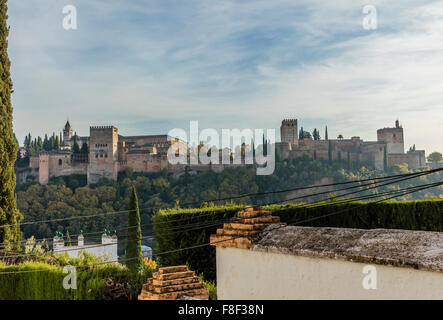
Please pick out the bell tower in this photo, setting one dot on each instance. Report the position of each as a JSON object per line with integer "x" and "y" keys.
{"x": 67, "y": 131}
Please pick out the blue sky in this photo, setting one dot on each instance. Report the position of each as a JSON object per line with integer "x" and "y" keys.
{"x": 150, "y": 66}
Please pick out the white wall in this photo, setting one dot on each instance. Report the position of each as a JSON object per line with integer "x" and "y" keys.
{"x": 108, "y": 251}
{"x": 249, "y": 274}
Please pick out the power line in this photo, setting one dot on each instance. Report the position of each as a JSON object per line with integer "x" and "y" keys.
{"x": 415, "y": 189}
{"x": 372, "y": 184}
{"x": 236, "y": 197}
{"x": 217, "y": 222}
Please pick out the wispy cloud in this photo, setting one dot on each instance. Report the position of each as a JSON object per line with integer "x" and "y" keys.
{"x": 149, "y": 66}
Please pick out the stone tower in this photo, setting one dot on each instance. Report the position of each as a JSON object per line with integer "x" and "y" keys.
{"x": 289, "y": 131}
{"x": 67, "y": 132}
{"x": 393, "y": 137}
{"x": 103, "y": 153}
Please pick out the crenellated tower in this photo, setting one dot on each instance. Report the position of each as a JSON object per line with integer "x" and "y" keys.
{"x": 103, "y": 153}
{"x": 289, "y": 131}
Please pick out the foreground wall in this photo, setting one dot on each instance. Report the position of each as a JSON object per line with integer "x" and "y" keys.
{"x": 252, "y": 274}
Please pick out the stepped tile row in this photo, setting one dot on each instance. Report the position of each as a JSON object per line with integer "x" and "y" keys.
{"x": 242, "y": 230}
{"x": 170, "y": 283}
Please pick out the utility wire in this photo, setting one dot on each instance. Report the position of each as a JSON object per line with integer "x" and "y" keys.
{"x": 232, "y": 197}
{"x": 215, "y": 223}
{"x": 373, "y": 185}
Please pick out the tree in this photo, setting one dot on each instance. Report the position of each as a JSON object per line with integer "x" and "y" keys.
{"x": 329, "y": 151}
{"x": 84, "y": 148}
{"x": 435, "y": 157}
{"x": 46, "y": 145}
{"x": 304, "y": 134}
{"x": 9, "y": 214}
{"x": 76, "y": 147}
{"x": 68, "y": 238}
{"x": 349, "y": 161}
{"x": 316, "y": 134}
{"x": 300, "y": 134}
{"x": 134, "y": 234}
{"x": 340, "y": 137}
{"x": 326, "y": 133}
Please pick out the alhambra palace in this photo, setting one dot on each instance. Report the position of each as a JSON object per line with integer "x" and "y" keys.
{"x": 110, "y": 153}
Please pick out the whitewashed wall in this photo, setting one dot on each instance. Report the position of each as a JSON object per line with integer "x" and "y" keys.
{"x": 249, "y": 274}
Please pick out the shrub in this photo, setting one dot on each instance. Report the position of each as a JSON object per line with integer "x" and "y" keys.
{"x": 171, "y": 233}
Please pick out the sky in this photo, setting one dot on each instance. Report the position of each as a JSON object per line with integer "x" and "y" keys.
{"x": 149, "y": 66}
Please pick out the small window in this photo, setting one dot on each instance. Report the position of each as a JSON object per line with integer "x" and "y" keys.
{"x": 60, "y": 162}
{"x": 101, "y": 156}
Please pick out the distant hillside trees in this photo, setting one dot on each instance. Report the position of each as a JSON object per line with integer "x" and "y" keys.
{"x": 70, "y": 196}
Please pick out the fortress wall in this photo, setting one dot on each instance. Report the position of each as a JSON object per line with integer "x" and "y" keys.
{"x": 34, "y": 162}
{"x": 314, "y": 144}
{"x": 374, "y": 153}
{"x": 411, "y": 159}
{"x": 61, "y": 165}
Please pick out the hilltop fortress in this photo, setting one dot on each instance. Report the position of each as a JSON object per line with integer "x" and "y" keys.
{"x": 109, "y": 153}
{"x": 387, "y": 151}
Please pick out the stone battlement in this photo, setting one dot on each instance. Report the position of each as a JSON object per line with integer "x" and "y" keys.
{"x": 101, "y": 127}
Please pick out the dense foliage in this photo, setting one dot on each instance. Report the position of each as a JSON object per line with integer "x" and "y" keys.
{"x": 9, "y": 215}
{"x": 411, "y": 215}
{"x": 95, "y": 281}
{"x": 69, "y": 196}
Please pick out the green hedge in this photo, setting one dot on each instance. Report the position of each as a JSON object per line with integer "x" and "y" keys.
{"x": 48, "y": 283}
{"x": 411, "y": 215}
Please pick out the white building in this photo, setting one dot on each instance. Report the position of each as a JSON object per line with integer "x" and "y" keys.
{"x": 259, "y": 258}
{"x": 107, "y": 249}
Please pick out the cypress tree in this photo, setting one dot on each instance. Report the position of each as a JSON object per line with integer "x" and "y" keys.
{"x": 76, "y": 147}
{"x": 9, "y": 214}
{"x": 68, "y": 238}
{"x": 46, "y": 146}
{"x": 326, "y": 133}
{"x": 329, "y": 151}
{"x": 349, "y": 161}
{"x": 84, "y": 148}
{"x": 134, "y": 234}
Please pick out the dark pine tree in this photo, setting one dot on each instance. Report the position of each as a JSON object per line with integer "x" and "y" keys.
{"x": 329, "y": 151}
{"x": 84, "y": 148}
{"x": 134, "y": 234}
{"x": 68, "y": 239}
{"x": 326, "y": 133}
{"x": 76, "y": 147}
{"x": 9, "y": 214}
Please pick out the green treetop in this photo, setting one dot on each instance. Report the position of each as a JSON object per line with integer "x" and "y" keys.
{"x": 134, "y": 234}
{"x": 9, "y": 214}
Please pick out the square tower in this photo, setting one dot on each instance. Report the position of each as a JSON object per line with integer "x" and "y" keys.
{"x": 393, "y": 137}
{"x": 103, "y": 153}
{"x": 289, "y": 131}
